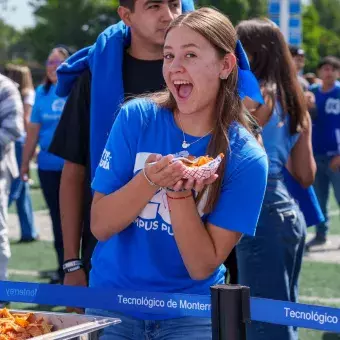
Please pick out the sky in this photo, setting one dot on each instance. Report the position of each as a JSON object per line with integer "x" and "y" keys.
{"x": 22, "y": 16}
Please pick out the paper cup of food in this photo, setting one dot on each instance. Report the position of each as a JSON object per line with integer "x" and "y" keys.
{"x": 201, "y": 167}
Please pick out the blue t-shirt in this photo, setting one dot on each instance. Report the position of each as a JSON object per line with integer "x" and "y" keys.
{"x": 277, "y": 140}
{"x": 46, "y": 111}
{"x": 145, "y": 256}
{"x": 326, "y": 125}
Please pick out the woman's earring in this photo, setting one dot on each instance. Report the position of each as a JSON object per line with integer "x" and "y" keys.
{"x": 222, "y": 77}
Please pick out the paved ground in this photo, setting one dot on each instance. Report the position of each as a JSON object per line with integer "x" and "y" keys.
{"x": 328, "y": 253}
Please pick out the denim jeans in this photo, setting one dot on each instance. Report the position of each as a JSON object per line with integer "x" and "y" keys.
{"x": 186, "y": 328}
{"x": 20, "y": 193}
{"x": 270, "y": 262}
{"x": 50, "y": 184}
{"x": 324, "y": 177}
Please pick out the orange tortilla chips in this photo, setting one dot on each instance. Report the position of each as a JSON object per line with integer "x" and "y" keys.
{"x": 199, "y": 161}
{"x": 21, "y": 326}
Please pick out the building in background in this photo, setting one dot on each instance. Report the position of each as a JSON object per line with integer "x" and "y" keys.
{"x": 287, "y": 14}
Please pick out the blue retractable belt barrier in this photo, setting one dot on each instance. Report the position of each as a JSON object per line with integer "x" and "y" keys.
{"x": 175, "y": 305}
{"x": 295, "y": 314}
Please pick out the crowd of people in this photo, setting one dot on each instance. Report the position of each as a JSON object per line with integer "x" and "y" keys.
{"x": 108, "y": 120}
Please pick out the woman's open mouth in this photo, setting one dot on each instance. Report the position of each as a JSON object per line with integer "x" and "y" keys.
{"x": 183, "y": 88}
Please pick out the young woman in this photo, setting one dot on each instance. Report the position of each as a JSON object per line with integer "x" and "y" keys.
{"x": 270, "y": 262}
{"x": 44, "y": 120}
{"x": 20, "y": 193}
{"x": 156, "y": 231}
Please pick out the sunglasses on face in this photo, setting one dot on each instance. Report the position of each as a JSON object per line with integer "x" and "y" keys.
{"x": 54, "y": 62}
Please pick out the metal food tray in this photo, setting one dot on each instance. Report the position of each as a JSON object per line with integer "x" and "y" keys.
{"x": 71, "y": 326}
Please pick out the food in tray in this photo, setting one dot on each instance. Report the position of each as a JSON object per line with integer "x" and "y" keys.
{"x": 201, "y": 167}
{"x": 191, "y": 161}
{"x": 20, "y": 326}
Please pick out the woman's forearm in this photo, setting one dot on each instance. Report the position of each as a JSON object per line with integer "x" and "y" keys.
{"x": 193, "y": 239}
{"x": 27, "y": 115}
{"x": 31, "y": 142}
{"x": 113, "y": 213}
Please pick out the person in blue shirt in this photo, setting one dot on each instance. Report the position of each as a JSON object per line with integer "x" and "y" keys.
{"x": 158, "y": 232}
{"x": 45, "y": 116}
{"x": 326, "y": 140}
{"x": 270, "y": 262}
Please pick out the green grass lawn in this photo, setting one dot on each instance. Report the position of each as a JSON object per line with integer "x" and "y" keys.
{"x": 320, "y": 279}
{"x": 38, "y": 256}
{"x": 307, "y": 334}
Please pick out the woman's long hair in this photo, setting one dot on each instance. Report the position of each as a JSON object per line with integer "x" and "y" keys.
{"x": 22, "y": 76}
{"x": 273, "y": 66}
{"x": 221, "y": 34}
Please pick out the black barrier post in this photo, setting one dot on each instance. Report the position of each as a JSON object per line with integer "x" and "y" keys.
{"x": 230, "y": 305}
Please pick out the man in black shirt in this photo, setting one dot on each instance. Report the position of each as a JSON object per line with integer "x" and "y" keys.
{"x": 142, "y": 72}
{"x": 139, "y": 76}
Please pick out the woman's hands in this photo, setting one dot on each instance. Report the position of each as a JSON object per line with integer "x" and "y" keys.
{"x": 163, "y": 173}
{"x": 24, "y": 172}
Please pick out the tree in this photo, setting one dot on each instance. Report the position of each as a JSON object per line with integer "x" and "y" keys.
{"x": 75, "y": 23}
{"x": 257, "y": 8}
{"x": 311, "y": 36}
{"x": 8, "y": 37}
{"x": 329, "y": 43}
{"x": 329, "y": 12}
{"x": 236, "y": 10}
{"x": 318, "y": 41}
